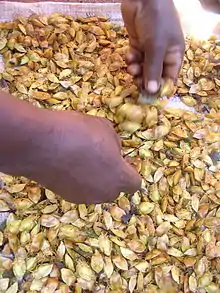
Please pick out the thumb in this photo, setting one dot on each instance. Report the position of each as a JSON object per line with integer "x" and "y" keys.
{"x": 153, "y": 68}
{"x": 131, "y": 180}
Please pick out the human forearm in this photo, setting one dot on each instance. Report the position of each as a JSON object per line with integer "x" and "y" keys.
{"x": 21, "y": 127}
{"x": 66, "y": 152}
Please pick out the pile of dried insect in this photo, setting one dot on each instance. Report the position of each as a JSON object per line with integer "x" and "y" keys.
{"x": 164, "y": 238}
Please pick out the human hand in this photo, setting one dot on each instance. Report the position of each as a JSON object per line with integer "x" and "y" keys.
{"x": 80, "y": 159}
{"x": 156, "y": 41}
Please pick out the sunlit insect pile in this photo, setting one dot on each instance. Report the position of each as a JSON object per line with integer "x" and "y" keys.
{"x": 164, "y": 238}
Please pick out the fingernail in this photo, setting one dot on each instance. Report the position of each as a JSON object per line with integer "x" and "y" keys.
{"x": 152, "y": 86}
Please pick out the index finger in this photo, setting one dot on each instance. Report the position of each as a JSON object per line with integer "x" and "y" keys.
{"x": 153, "y": 66}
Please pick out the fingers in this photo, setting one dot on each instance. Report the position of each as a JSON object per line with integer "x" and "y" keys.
{"x": 131, "y": 180}
{"x": 173, "y": 62}
{"x": 134, "y": 69}
{"x": 143, "y": 61}
{"x": 154, "y": 34}
{"x": 128, "y": 10}
{"x": 153, "y": 68}
{"x": 134, "y": 60}
{"x": 156, "y": 65}
{"x": 134, "y": 56}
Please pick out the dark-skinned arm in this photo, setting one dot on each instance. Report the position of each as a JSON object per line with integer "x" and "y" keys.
{"x": 77, "y": 156}
{"x": 22, "y": 127}
{"x": 156, "y": 41}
